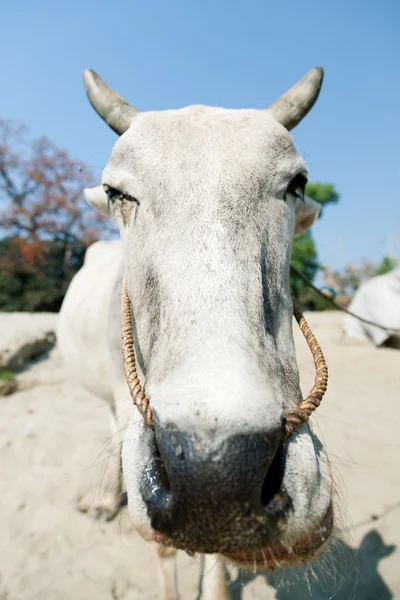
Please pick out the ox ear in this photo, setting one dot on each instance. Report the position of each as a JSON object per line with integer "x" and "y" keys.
{"x": 307, "y": 212}
{"x": 97, "y": 198}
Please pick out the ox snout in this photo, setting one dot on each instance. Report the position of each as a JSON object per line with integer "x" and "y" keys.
{"x": 210, "y": 496}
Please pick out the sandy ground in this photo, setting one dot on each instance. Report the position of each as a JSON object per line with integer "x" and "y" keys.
{"x": 53, "y": 435}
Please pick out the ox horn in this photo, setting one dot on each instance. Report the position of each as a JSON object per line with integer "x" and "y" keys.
{"x": 111, "y": 107}
{"x": 290, "y": 108}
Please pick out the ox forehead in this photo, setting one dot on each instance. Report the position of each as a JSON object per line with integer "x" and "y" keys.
{"x": 210, "y": 147}
{"x": 207, "y": 201}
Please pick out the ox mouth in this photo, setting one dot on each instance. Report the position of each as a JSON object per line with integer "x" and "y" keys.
{"x": 281, "y": 556}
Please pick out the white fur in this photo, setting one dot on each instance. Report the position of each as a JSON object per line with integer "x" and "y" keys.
{"x": 213, "y": 216}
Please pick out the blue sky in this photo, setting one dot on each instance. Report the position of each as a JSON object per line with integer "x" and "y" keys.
{"x": 242, "y": 53}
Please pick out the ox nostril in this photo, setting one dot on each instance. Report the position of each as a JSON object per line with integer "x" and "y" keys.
{"x": 155, "y": 488}
{"x": 273, "y": 495}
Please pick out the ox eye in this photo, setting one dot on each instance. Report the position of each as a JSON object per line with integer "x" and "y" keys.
{"x": 114, "y": 195}
{"x": 297, "y": 187}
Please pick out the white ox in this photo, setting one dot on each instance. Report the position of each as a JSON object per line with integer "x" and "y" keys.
{"x": 378, "y": 301}
{"x": 207, "y": 201}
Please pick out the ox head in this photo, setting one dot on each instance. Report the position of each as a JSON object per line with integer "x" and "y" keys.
{"x": 207, "y": 201}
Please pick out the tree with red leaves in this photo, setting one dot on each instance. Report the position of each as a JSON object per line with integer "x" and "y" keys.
{"x": 45, "y": 223}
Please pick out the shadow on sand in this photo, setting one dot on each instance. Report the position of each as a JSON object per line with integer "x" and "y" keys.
{"x": 343, "y": 574}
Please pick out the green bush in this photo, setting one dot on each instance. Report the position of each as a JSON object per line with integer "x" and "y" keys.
{"x": 6, "y": 375}
{"x": 36, "y": 280}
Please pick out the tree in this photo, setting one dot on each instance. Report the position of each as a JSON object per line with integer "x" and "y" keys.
{"x": 350, "y": 279}
{"x": 304, "y": 252}
{"x": 38, "y": 285}
{"x": 45, "y": 223}
{"x": 386, "y": 265}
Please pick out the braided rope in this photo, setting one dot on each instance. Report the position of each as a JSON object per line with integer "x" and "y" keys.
{"x": 128, "y": 352}
{"x": 293, "y": 418}
{"x": 301, "y": 414}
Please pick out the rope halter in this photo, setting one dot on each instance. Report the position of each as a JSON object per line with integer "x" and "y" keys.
{"x": 293, "y": 418}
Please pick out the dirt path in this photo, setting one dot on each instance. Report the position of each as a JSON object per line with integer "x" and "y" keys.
{"x": 52, "y": 436}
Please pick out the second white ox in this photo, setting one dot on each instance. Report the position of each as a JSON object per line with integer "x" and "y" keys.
{"x": 207, "y": 201}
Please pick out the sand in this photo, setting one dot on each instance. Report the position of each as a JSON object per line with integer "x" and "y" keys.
{"x": 53, "y": 435}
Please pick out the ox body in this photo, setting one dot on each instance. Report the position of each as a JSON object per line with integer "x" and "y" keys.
{"x": 207, "y": 201}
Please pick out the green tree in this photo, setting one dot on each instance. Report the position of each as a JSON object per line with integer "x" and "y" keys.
{"x": 32, "y": 281}
{"x": 386, "y": 265}
{"x": 352, "y": 277}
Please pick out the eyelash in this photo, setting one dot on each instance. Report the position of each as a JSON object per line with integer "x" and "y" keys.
{"x": 298, "y": 183}
{"x": 114, "y": 195}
